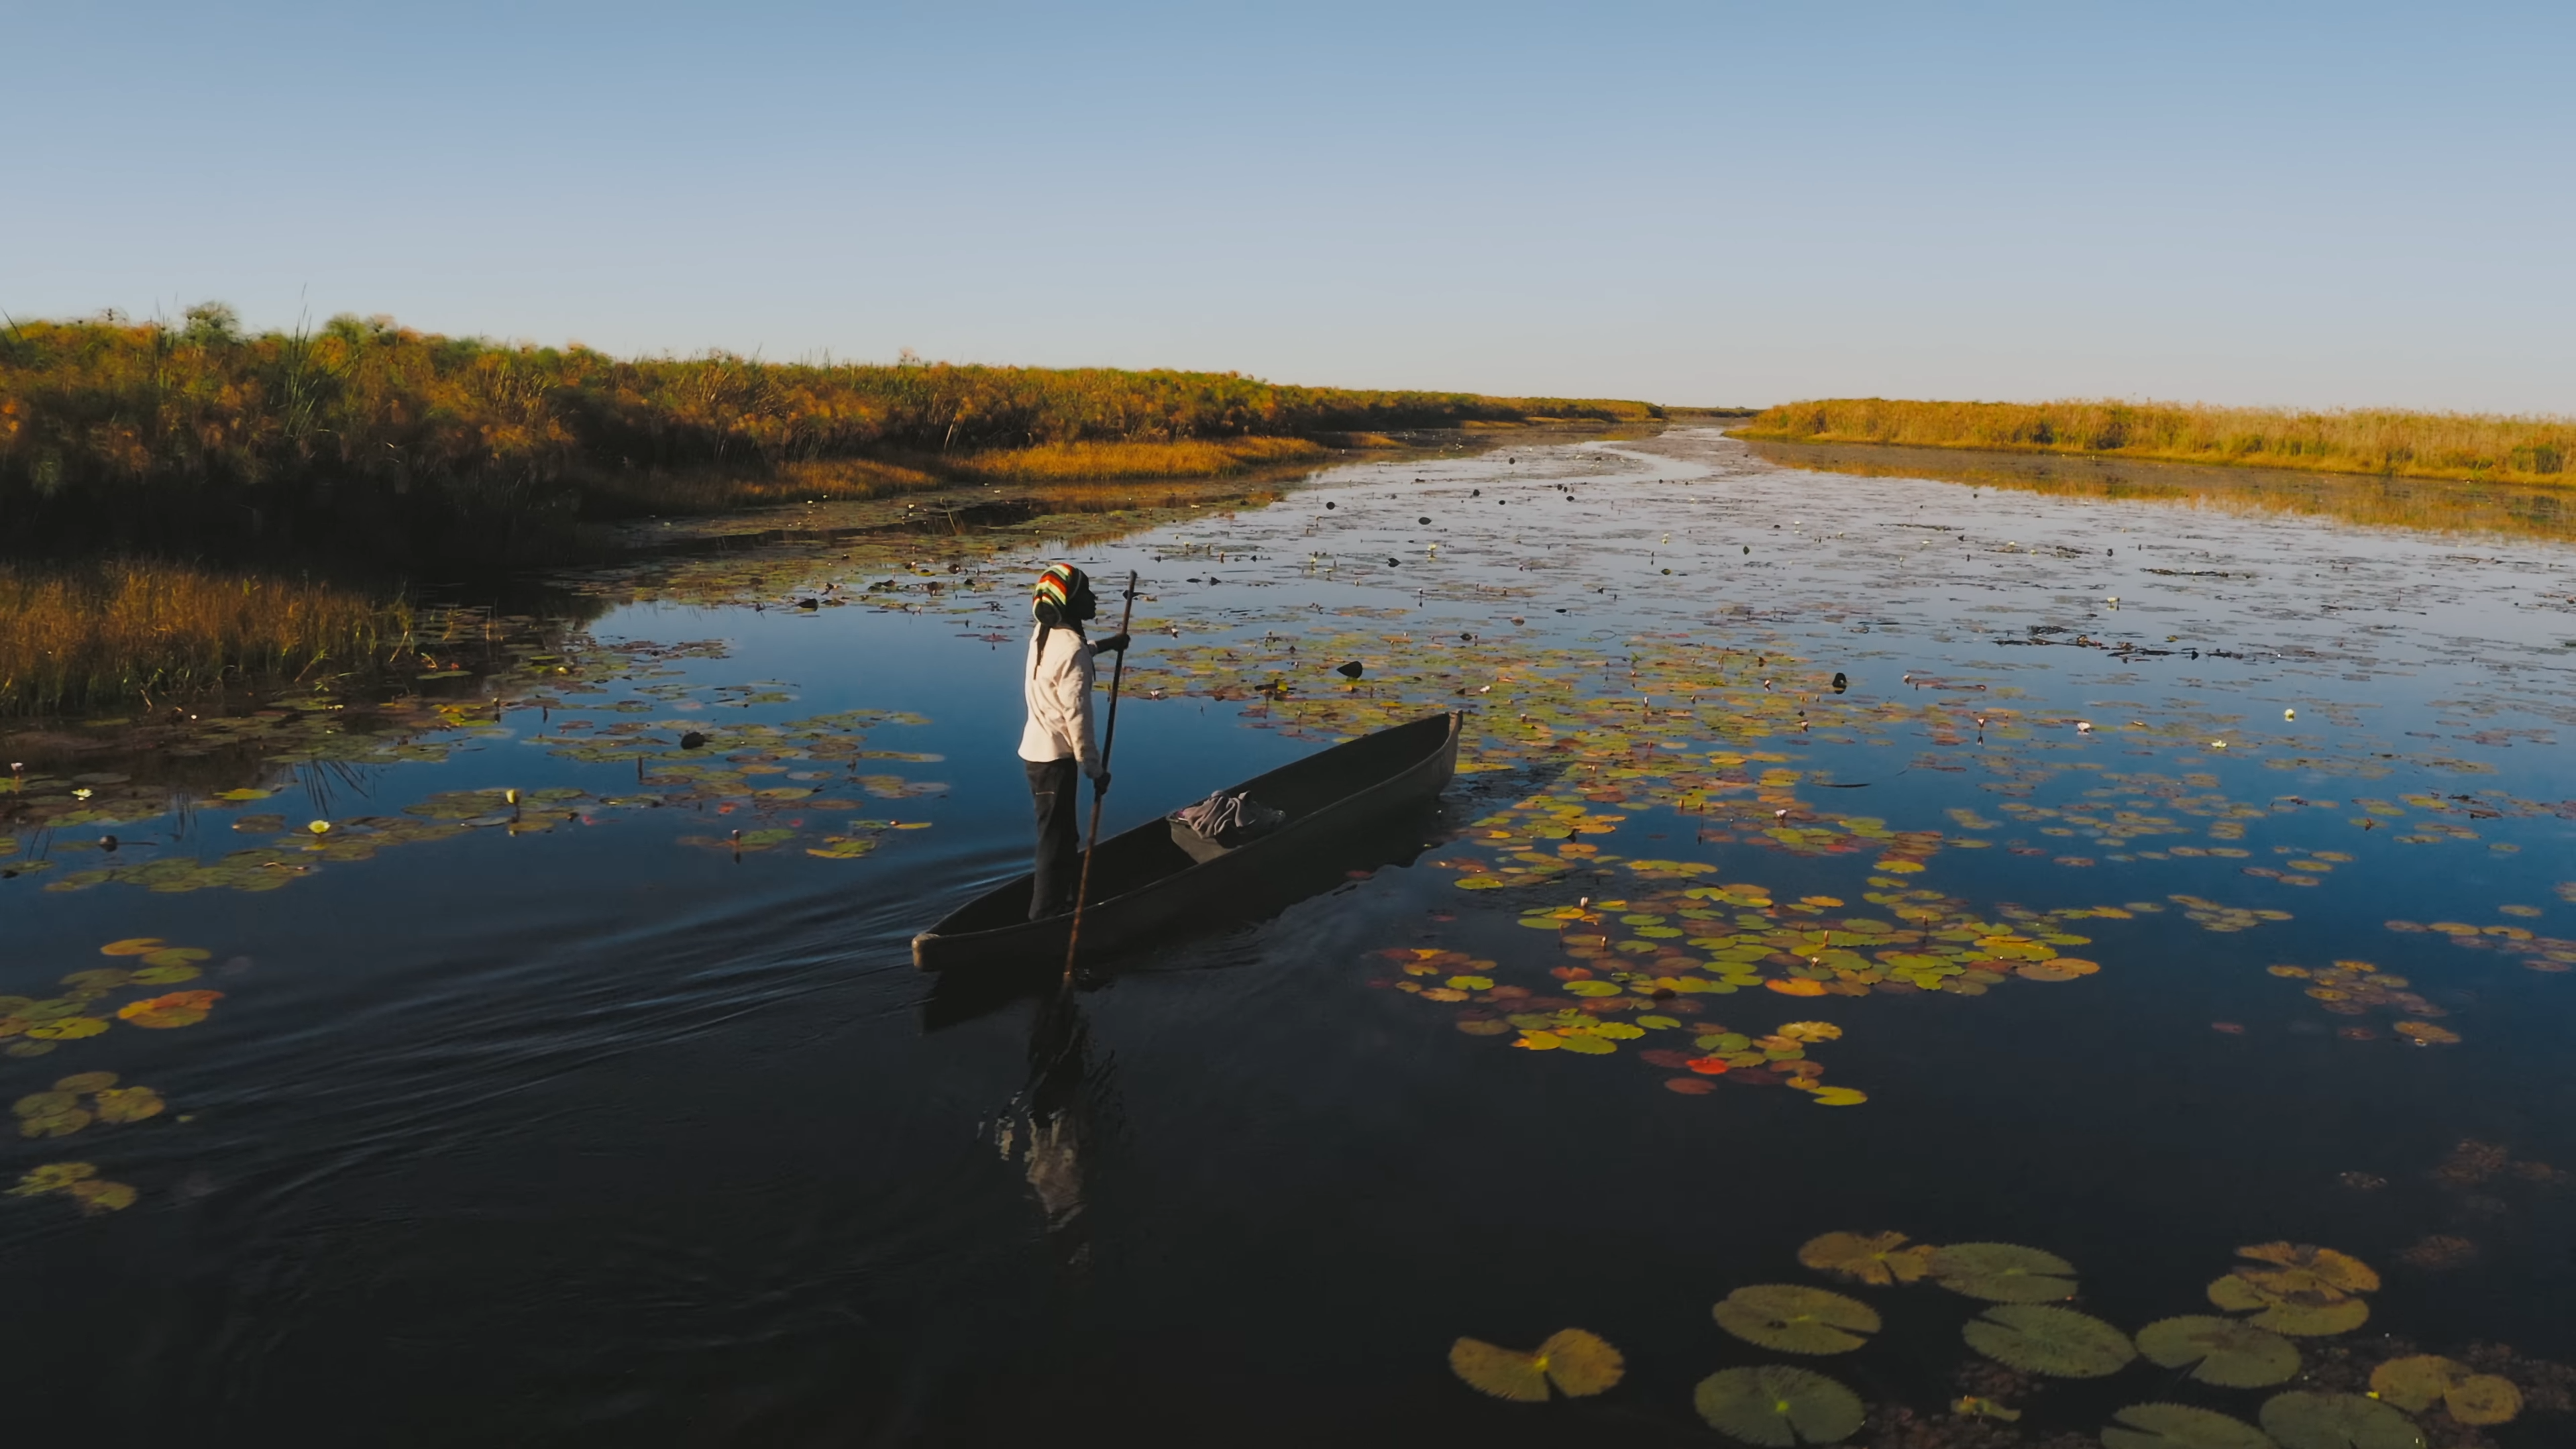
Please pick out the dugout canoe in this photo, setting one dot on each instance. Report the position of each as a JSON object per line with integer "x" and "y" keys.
{"x": 1144, "y": 886}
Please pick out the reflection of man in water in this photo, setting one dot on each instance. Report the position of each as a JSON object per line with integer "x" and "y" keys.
{"x": 1058, "y": 737}
{"x": 1056, "y": 1109}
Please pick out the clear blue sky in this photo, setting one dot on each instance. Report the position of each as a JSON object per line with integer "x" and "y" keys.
{"x": 2339, "y": 204}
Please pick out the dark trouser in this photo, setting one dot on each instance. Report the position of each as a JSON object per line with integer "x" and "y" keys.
{"x": 1052, "y": 786}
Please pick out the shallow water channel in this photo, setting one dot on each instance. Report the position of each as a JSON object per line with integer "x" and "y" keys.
{"x": 2159, "y": 880}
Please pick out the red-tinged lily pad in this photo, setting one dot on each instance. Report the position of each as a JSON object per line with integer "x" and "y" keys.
{"x": 178, "y": 1008}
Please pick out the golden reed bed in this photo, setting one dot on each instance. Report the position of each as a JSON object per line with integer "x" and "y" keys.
{"x": 2478, "y": 447}
{"x": 121, "y": 631}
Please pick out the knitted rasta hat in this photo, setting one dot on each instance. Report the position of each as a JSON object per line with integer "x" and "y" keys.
{"x": 1052, "y": 605}
{"x": 1059, "y": 586}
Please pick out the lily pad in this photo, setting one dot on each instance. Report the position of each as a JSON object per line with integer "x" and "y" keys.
{"x": 101, "y": 1196}
{"x": 2302, "y": 1420}
{"x": 1778, "y": 1407}
{"x": 45, "y": 1104}
{"x": 54, "y": 1177}
{"x": 2307, "y": 1272}
{"x": 2417, "y": 1382}
{"x": 1796, "y": 1319}
{"x": 2179, "y": 1426}
{"x": 2040, "y": 1339}
{"x": 2300, "y": 1320}
{"x": 176, "y": 1009}
{"x": 1579, "y": 1364}
{"x": 50, "y": 1114}
{"x": 2223, "y": 1351}
{"x": 1879, "y": 1259}
{"x": 2003, "y": 1272}
{"x": 129, "y": 1104}
{"x": 1499, "y": 1372}
{"x": 2483, "y": 1399}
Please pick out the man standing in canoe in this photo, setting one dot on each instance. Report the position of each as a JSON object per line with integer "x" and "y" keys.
{"x": 1058, "y": 739}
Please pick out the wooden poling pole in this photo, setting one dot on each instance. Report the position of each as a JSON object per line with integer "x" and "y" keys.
{"x": 1108, "y": 742}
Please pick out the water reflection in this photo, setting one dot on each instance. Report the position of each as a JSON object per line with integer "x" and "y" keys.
{"x": 691, "y": 1125}
{"x": 1053, "y": 1123}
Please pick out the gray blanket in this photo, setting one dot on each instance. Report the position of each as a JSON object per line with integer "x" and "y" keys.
{"x": 1230, "y": 820}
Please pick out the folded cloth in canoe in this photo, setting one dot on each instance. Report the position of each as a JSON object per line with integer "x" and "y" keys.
{"x": 1221, "y": 822}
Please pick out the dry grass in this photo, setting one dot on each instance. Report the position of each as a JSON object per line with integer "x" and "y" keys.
{"x": 712, "y": 491}
{"x": 2432, "y": 504}
{"x": 114, "y": 430}
{"x": 2479, "y": 447}
{"x": 1055, "y": 462}
{"x": 123, "y": 630}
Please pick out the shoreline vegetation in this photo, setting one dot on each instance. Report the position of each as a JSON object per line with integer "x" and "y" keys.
{"x": 148, "y": 632}
{"x": 2387, "y": 443}
{"x": 2504, "y": 509}
{"x": 186, "y": 504}
{"x": 365, "y": 436}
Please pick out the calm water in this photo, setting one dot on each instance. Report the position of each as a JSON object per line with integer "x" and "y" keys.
{"x": 585, "y": 1121}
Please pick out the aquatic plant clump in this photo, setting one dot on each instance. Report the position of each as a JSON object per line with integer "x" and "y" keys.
{"x": 2306, "y": 1292}
{"x": 80, "y": 1182}
{"x": 787, "y": 781}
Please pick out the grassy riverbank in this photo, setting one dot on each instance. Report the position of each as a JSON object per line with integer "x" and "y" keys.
{"x": 365, "y": 436}
{"x": 2467, "y": 446}
{"x": 367, "y": 454}
{"x": 142, "y": 632}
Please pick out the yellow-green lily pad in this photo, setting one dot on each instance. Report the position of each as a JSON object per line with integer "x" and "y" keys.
{"x": 2302, "y": 1420}
{"x": 1778, "y": 1407}
{"x": 2228, "y": 1352}
{"x": 2041, "y": 1339}
{"x": 2003, "y": 1272}
{"x": 1796, "y": 1319}
{"x": 2180, "y": 1426}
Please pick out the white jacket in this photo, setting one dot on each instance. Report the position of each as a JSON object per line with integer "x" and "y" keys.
{"x": 1058, "y": 686}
